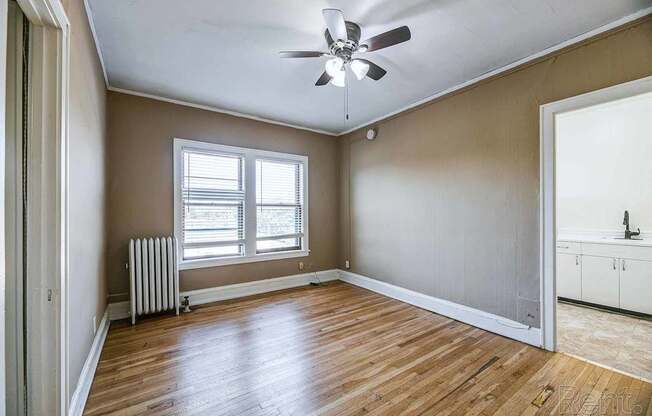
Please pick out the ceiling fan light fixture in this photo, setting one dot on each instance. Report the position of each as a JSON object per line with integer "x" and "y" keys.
{"x": 343, "y": 40}
{"x": 359, "y": 68}
{"x": 334, "y": 66}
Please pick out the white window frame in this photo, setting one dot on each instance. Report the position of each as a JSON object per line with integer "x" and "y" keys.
{"x": 250, "y": 155}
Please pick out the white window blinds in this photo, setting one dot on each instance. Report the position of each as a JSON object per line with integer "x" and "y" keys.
{"x": 238, "y": 205}
{"x": 279, "y": 205}
{"x": 213, "y": 200}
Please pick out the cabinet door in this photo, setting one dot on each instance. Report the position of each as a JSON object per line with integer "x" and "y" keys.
{"x": 636, "y": 285}
{"x": 569, "y": 276}
{"x": 600, "y": 280}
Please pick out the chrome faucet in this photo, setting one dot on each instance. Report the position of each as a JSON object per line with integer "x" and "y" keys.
{"x": 629, "y": 234}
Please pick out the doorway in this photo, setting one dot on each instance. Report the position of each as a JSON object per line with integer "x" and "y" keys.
{"x": 596, "y": 265}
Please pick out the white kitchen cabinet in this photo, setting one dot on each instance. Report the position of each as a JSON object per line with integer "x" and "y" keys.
{"x": 569, "y": 276}
{"x": 601, "y": 280}
{"x": 636, "y": 285}
{"x": 614, "y": 273}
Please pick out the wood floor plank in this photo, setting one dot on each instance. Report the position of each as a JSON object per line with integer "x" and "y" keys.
{"x": 340, "y": 350}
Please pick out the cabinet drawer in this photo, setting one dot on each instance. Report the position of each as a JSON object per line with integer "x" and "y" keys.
{"x": 569, "y": 247}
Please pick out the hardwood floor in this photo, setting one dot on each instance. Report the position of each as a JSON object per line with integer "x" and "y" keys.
{"x": 341, "y": 350}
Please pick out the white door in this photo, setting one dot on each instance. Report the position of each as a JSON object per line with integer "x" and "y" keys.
{"x": 600, "y": 280}
{"x": 636, "y": 285}
{"x": 569, "y": 276}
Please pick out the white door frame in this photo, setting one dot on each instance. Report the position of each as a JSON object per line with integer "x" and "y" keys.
{"x": 547, "y": 226}
{"x": 47, "y": 232}
{"x": 4, "y": 10}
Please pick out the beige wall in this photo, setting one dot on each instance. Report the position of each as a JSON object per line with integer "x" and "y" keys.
{"x": 141, "y": 132}
{"x": 446, "y": 200}
{"x": 87, "y": 278}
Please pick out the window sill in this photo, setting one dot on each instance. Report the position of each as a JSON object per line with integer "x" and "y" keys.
{"x": 204, "y": 263}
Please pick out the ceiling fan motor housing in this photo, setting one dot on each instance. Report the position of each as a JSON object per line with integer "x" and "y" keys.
{"x": 344, "y": 49}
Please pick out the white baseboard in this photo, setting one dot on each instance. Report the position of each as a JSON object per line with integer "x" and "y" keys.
{"x": 79, "y": 396}
{"x": 119, "y": 310}
{"x": 484, "y": 320}
{"x": 215, "y": 294}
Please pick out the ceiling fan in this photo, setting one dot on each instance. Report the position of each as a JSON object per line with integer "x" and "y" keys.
{"x": 343, "y": 39}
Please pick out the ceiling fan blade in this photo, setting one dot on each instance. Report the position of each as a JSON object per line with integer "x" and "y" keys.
{"x": 323, "y": 79}
{"x": 301, "y": 54}
{"x": 375, "y": 72}
{"x": 335, "y": 23}
{"x": 390, "y": 38}
{"x": 329, "y": 38}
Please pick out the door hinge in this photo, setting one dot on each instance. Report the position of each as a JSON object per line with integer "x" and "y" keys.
{"x": 49, "y": 295}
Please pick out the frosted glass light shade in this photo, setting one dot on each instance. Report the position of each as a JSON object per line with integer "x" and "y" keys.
{"x": 339, "y": 79}
{"x": 359, "y": 68}
{"x": 334, "y": 66}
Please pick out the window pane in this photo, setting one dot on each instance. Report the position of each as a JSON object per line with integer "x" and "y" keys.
{"x": 278, "y": 245}
{"x": 279, "y": 205}
{"x": 213, "y": 223}
{"x": 210, "y": 171}
{"x": 274, "y": 220}
{"x": 278, "y": 182}
{"x": 213, "y": 199}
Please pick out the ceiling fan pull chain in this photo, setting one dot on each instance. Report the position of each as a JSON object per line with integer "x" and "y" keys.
{"x": 346, "y": 102}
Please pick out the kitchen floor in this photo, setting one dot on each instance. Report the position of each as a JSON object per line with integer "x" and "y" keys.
{"x": 617, "y": 341}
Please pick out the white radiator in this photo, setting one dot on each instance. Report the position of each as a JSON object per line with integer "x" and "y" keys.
{"x": 154, "y": 276}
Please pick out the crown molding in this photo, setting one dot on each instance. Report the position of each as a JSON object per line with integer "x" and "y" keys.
{"x": 219, "y": 110}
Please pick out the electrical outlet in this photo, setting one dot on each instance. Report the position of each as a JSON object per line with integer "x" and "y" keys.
{"x": 347, "y": 264}
{"x": 300, "y": 265}
{"x": 94, "y": 324}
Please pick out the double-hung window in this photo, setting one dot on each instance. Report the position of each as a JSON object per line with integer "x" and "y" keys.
{"x": 237, "y": 205}
{"x": 279, "y": 205}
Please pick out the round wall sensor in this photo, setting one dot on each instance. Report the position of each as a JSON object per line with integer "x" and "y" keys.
{"x": 372, "y": 133}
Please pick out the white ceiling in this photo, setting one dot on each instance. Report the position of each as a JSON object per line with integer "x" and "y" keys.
{"x": 224, "y": 53}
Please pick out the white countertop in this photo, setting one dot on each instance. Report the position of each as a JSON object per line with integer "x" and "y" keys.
{"x": 604, "y": 239}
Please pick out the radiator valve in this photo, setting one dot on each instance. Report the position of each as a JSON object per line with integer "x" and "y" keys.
{"x": 186, "y": 304}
